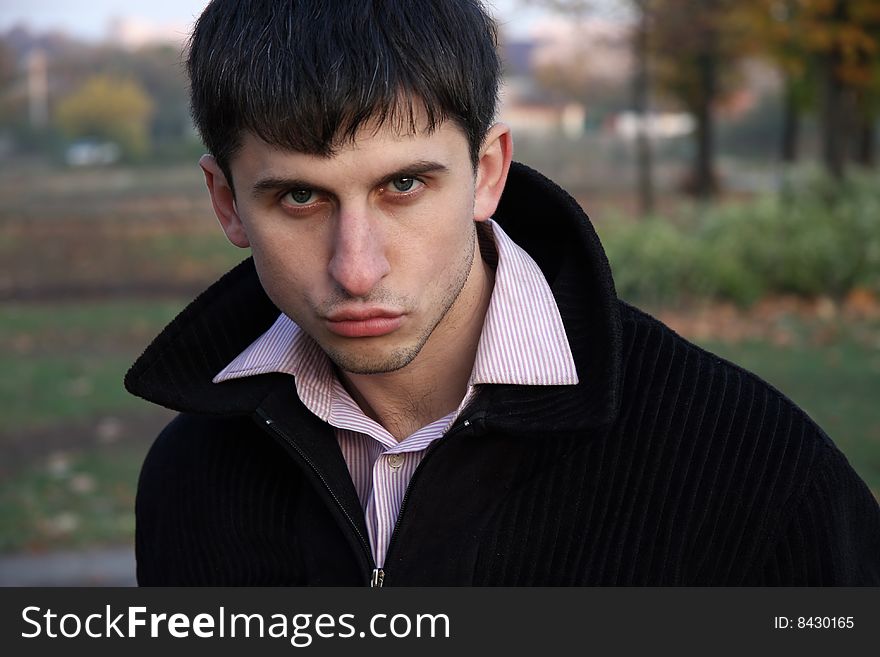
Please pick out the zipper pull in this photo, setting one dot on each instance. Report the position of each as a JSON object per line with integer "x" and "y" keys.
{"x": 377, "y": 578}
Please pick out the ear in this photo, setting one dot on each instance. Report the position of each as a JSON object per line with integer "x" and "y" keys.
{"x": 223, "y": 200}
{"x": 492, "y": 167}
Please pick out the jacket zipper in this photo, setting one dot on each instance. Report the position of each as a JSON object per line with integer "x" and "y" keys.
{"x": 377, "y": 574}
{"x": 377, "y": 577}
{"x": 380, "y": 573}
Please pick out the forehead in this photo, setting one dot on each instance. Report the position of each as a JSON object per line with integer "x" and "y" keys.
{"x": 375, "y": 149}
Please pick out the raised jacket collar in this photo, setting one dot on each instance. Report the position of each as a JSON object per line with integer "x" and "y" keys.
{"x": 176, "y": 370}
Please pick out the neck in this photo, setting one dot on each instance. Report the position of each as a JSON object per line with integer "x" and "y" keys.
{"x": 435, "y": 382}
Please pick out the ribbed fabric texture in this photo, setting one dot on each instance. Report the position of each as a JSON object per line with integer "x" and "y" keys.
{"x": 664, "y": 465}
{"x": 709, "y": 477}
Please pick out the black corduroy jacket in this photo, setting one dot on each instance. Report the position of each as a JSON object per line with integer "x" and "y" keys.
{"x": 665, "y": 465}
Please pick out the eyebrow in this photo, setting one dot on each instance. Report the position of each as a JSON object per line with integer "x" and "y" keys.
{"x": 278, "y": 183}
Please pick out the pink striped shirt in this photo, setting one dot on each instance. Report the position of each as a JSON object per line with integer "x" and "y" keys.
{"x": 523, "y": 342}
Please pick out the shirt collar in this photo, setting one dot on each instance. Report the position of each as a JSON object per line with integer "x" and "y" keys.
{"x": 523, "y": 340}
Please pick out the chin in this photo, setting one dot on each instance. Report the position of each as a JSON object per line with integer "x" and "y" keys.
{"x": 355, "y": 362}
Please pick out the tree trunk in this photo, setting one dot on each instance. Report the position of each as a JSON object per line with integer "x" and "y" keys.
{"x": 704, "y": 164}
{"x": 641, "y": 94}
{"x": 791, "y": 125}
{"x": 866, "y": 149}
{"x": 834, "y": 123}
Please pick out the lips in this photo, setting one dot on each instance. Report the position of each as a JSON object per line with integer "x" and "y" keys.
{"x": 364, "y": 323}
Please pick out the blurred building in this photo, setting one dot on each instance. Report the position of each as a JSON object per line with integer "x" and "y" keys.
{"x": 564, "y": 75}
{"x": 133, "y": 33}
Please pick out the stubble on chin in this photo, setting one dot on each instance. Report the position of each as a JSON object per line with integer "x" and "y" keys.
{"x": 400, "y": 356}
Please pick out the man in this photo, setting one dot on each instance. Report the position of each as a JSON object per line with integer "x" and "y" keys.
{"x": 423, "y": 376}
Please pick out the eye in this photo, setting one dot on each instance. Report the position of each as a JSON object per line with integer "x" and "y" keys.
{"x": 404, "y": 184}
{"x": 299, "y": 197}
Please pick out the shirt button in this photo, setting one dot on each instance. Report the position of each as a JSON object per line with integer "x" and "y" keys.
{"x": 395, "y": 461}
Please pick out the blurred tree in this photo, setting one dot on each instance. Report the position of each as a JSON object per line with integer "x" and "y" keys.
{"x": 8, "y": 75}
{"x": 867, "y": 15}
{"x": 868, "y": 109}
{"x": 777, "y": 30}
{"x": 641, "y": 84}
{"x": 698, "y": 44}
{"x": 641, "y": 102}
{"x": 105, "y": 107}
{"x": 7, "y": 65}
{"x": 846, "y": 36}
{"x": 828, "y": 50}
{"x": 160, "y": 70}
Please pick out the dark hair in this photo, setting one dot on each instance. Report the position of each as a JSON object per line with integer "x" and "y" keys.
{"x": 308, "y": 74}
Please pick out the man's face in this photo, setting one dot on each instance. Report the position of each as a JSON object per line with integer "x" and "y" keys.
{"x": 371, "y": 250}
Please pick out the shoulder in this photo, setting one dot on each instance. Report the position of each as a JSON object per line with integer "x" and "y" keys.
{"x": 653, "y": 350}
{"x": 198, "y": 455}
{"x": 716, "y": 398}
{"x": 206, "y": 491}
{"x": 192, "y": 437}
{"x": 793, "y": 509}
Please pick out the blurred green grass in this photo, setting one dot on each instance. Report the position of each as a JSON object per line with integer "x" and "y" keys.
{"x": 71, "y": 499}
{"x": 66, "y": 361}
{"x": 67, "y": 420}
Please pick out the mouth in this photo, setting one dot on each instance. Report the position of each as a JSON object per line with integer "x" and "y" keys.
{"x": 366, "y": 323}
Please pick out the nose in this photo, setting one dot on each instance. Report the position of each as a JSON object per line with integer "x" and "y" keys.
{"x": 359, "y": 260}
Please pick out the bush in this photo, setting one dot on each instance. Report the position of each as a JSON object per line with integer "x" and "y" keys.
{"x": 816, "y": 238}
{"x": 652, "y": 260}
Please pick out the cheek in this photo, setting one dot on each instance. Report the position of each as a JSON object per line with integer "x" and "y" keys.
{"x": 441, "y": 259}
{"x": 443, "y": 230}
{"x": 457, "y": 241}
{"x": 288, "y": 274}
